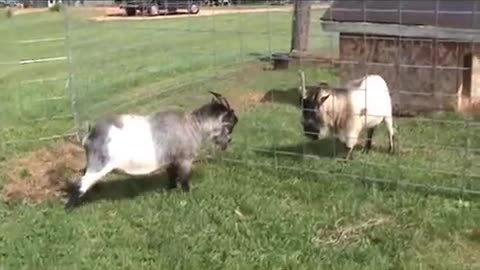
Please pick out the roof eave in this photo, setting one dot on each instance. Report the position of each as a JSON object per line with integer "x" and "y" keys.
{"x": 421, "y": 31}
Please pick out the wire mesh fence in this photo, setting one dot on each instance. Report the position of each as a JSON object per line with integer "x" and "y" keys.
{"x": 34, "y": 82}
{"x": 59, "y": 76}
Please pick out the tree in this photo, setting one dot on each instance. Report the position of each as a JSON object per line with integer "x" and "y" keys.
{"x": 300, "y": 25}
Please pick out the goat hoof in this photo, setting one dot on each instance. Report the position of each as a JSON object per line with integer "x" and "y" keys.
{"x": 72, "y": 203}
{"x": 73, "y": 200}
{"x": 171, "y": 185}
{"x": 185, "y": 187}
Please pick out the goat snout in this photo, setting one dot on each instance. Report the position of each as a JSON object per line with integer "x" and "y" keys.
{"x": 310, "y": 129}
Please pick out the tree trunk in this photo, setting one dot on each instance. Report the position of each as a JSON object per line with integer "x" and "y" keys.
{"x": 300, "y": 26}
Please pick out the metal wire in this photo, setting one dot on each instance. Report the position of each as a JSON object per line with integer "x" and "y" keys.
{"x": 225, "y": 63}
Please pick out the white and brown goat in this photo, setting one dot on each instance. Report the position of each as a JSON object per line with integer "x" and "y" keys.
{"x": 345, "y": 112}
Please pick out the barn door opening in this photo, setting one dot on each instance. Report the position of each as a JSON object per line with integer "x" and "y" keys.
{"x": 467, "y": 75}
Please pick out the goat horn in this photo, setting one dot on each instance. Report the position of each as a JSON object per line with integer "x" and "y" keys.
{"x": 220, "y": 98}
{"x": 217, "y": 95}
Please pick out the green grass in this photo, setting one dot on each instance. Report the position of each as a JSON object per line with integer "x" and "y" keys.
{"x": 262, "y": 206}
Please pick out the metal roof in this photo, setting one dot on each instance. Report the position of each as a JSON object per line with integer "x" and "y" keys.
{"x": 463, "y": 14}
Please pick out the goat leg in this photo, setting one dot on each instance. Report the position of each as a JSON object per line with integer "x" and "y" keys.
{"x": 74, "y": 197}
{"x": 368, "y": 143}
{"x": 349, "y": 155}
{"x": 393, "y": 144}
{"x": 183, "y": 172}
{"x": 172, "y": 176}
{"x": 89, "y": 179}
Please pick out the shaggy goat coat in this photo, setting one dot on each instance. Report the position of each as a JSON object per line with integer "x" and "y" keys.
{"x": 345, "y": 112}
{"x": 143, "y": 144}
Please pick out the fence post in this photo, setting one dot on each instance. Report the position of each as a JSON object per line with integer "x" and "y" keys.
{"x": 301, "y": 25}
{"x": 68, "y": 85}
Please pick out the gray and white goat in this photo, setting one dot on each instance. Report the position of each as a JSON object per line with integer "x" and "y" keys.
{"x": 144, "y": 144}
{"x": 345, "y": 112}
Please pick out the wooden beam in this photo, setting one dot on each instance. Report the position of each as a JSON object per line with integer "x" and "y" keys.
{"x": 300, "y": 25}
{"x": 465, "y": 35}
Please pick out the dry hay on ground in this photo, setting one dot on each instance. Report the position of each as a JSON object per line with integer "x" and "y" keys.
{"x": 245, "y": 102}
{"x": 348, "y": 234}
{"x": 43, "y": 174}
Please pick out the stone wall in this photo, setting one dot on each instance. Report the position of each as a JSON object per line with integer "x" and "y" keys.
{"x": 423, "y": 75}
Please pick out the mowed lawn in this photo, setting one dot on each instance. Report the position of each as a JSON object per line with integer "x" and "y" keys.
{"x": 260, "y": 206}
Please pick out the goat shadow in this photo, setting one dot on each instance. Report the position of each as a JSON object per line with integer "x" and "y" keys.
{"x": 120, "y": 187}
{"x": 334, "y": 148}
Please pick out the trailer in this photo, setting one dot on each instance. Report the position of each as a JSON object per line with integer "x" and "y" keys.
{"x": 152, "y": 7}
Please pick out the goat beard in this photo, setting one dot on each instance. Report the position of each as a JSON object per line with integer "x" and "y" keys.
{"x": 323, "y": 132}
{"x": 215, "y": 147}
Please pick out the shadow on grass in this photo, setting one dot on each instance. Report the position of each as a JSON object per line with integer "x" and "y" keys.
{"x": 289, "y": 96}
{"x": 327, "y": 148}
{"x": 261, "y": 57}
{"x": 115, "y": 189}
{"x": 334, "y": 149}
{"x": 324, "y": 148}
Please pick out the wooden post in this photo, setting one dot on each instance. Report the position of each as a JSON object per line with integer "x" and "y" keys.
{"x": 300, "y": 26}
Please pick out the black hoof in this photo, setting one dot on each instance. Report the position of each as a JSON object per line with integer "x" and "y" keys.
{"x": 185, "y": 187}
{"x": 74, "y": 199}
{"x": 172, "y": 184}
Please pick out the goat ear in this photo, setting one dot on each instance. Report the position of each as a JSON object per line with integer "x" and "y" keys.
{"x": 315, "y": 96}
{"x": 322, "y": 99}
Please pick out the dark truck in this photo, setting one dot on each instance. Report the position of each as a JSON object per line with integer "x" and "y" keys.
{"x": 152, "y": 7}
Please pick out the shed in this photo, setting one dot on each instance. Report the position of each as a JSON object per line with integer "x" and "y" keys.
{"x": 428, "y": 51}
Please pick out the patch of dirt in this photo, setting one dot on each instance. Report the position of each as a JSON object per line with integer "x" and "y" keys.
{"x": 21, "y": 11}
{"x": 43, "y": 174}
{"x": 115, "y": 13}
{"x": 245, "y": 102}
{"x": 252, "y": 99}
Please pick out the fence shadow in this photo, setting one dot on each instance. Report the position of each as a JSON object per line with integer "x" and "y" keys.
{"x": 326, "y": 148}
{"x": 332, "y": 148}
